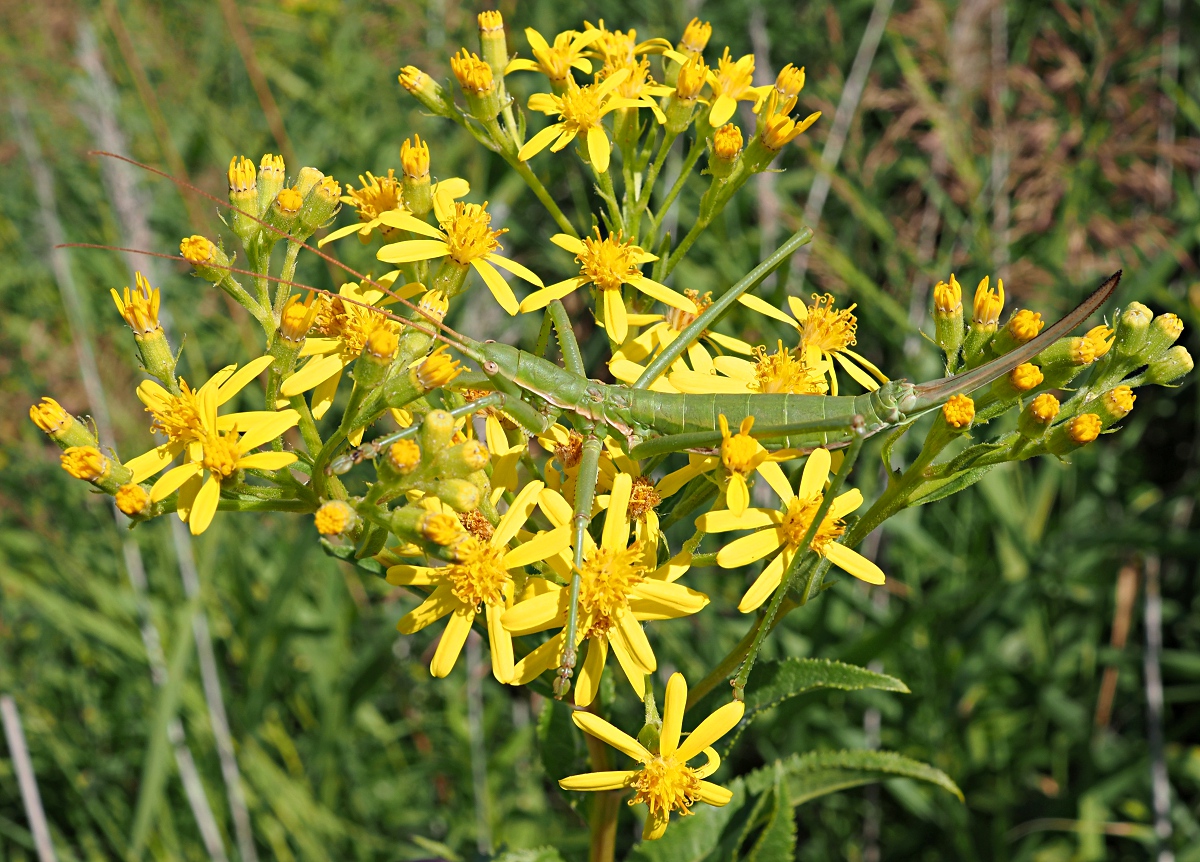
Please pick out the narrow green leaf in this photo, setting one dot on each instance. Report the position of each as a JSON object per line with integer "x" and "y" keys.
{"x": 818, "y": 773}
{"x": 943, "y": 488}
{"x": 158, "y": 756}
{"x": 772, "y": 682}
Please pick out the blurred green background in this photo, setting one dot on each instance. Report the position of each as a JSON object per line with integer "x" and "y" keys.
{"x": 1048, "y": 143}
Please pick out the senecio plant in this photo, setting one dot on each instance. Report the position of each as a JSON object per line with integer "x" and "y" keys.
{"x": 571, "y": 551}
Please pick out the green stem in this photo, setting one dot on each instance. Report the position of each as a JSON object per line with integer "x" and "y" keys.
{"x": 604, "y": 184}
{"x": 685, "y": 171}
{"x": 643, "y": 199}
{"x": 539, "y": 191}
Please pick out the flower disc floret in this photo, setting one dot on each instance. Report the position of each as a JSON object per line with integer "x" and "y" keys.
{"x": 1026, "y": 376}
{"x": 947, "y": 297}
{"x": 608, "y": 576}
{"x": 478, "y": 578}
{"x": 727, "y": 142}
{"x": 988, "y": 304}
{"x": 959, "y": 411}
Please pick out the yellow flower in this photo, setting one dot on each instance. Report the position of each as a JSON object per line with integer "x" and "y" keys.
{"x": 959, "y": 411}
{"x": 779, "y": 129}
{"x": 827, "y": 333}
{"x": 663, "y": 780}
{"x": 616, "y": 47}
{"x": 793, "y": 372}
{"x": 580, "y": 111}
{"x": 567, "y": 448}
{"x": 181, "y": 418}
{"x": 695, "y": 37}
{"x": 617, "y": 592}
{"x": 478, "y": 578}
{"x": 467, "y": 238}
{"x": 988, "y": 304}
{"x": 608, "y": 264}
{"x": 345, "y": 323}
{"x": 638, "y": 85}
{"x": 786, "y": 529}
{"x": 221, "y": 456}
{"x": 556, "y": 61}
{"x": 380, "y": 195}
{"x": 139, "y": 309}
{"x": 731, "y": 82}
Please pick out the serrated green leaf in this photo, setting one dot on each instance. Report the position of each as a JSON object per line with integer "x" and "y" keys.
{"x": 818, "y": 773}
{"x": 951, "y": 486}
{"x": 693, "y": 838}
{"x": 772, "y": 682}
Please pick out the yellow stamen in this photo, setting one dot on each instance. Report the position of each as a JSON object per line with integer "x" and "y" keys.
{"x": 665, "y": 784}
{"x": 271, "y": 169}
{"x": 479, "y": 576}
{"x": 827, "y": 330}
{"x": 477, "y": 525}
{"x": 1119, "y": 401}
{"x": 739, "y": 452}
{"x": 786, "y": 371}
{"x": 469, "y": 233}
{"x": 608, "y": 263}
{"x": 799, "y": 517}
{"x": 221, "y": 454}
{"x": 377, "y": 196}
{"x": 643, "y": 499}
{"x": 607, "y": 577}
{"x": 444, "y": 530}
{"x": 490, "y": 21}
{"x": 678, "y": 319}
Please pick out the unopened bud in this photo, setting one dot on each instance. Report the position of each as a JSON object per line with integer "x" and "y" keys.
{"x": 1022, "y": 326}
{"x": 335, "y": 518}
{"x": 297, "y": 318}
{"x": 436, "y": 370}
{"x": 1068, "y": 351}
{"x": 243, "y": 196}
{"x": 681, "y": 105}
{"x": 61, "y": 426}
{"x": 206, "y": 258}
{"x": 436, "y": 430}
{"x": 1164, "y": 331}
{"x": 441, "y": 529}
{"x": 307, "y": 180}
{"x": 1133, "y": 327}
{"x": 726, "y": 147}
{"x": 695, "y": 37}
{"x": 271, "y": 176}
{"x": 381, "y": 344}
{"x": 1037, "y": 416}
{"x": 320, "y": 205}
{"x": 86, "y": 462}
{"x": 789, "y": 82}
{"x": 959, "y": 411}
{"x": 132, "y": 499}
{"x": 403, "y": 456}
{"x": 492, "y": 43}
{"x": 414, "y": 162}
{"x": 478, "y": 85}
{"x": 1116, "y": 404}
{"x": 988, "y": 305}
{"x": 462, "y": 460}
{"x": 1101, "y": 338}
{"x": 1025, "y": 376}
{"x": 459, "y": 494}
{"x": 284, "y": 212}
{"x": 1075, "y": 432}
{"x": 948, "y": 316}
{"x": 1174, "y": 364}
{"x": 426, "y": 91}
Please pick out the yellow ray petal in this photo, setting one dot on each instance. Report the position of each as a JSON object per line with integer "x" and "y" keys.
{"x": 545, "y": 296}
{"x": 240, "y": 378}
{"x": 451, "y": 643}
{"x": 267, "y": 461}
{"x": 539, "y": 141}
{"x": 860, "y": 377}
{"x": 497, "y": 285}
{"x": 722, "y": 109}
{"x": 517, "y": 514}
{"x": 515, "y": 268}
{"x": 587, "y": 684}
{"x": 773, "y": 473}
{"x": 594, "y": 725}
{"x": 171, "y": 481}
{"x": 204, "y": 506}
{"x": 766, "y": 582}
{"x": 747, "y": 549}
{"x": 540, "y": 547}
{"x": 439, "y": 603}
{"x": 597, "y": 780}
{"x": 633, "y": 672}
{"x": 147, "y": 464}
{"x": 695, "y": 383}
{"x": 714, "y": 794}
{"x": 673, "y": 569}
{"x": 410, "y": 250}
{"x": 711, "y": 729}
{"x": 674, "y": 703}
{"x": 854, "y": 563}
{"x": 405, "y": 575}
{"x": 265, "y": 431}
{"x": 539, "y": 661}
{"x": 846, "y": 503}
{"x": 501, "y": 644}
{"x": 764, "y": 307}
{"x": 675, "y": 597}
{"x": 737, "y": 495}
{"x": 656, "y": 825}
{"x": 409, "y": 222}
{"x": 633, "y": 638}
{"x": 323, "y": 394}
{"x": 568, "y": 243}
{"x": 555, "y": 507}
{"x": 539, "y": 613}
{"x": 615, "y": 319}
{"x": 314, "y": 372}
{"x": 735, "y": 367}
{"x": 816, "y": 473}
{"x": 722, "y": 521}
{"x": 616, "y": 522}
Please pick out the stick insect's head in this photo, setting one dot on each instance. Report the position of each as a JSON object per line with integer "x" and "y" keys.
{"x": 496, "y": 359}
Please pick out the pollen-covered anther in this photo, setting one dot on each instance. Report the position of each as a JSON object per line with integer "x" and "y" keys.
{"x": 786, "y": 371}
{"x": 607, "y": 577}
{"x": 1026, "y": 376}
{"x": 1024, "y": 325}
{"x": 643, "y": 499}
{"x": 947, "y": 296}
{"x": 473, "y": 74}
{"x": 133, "y": 499}
{"x": 334, "y": 518}
{"x": 608, "y": 263}
{"x": 86, "y": 462}
{"x": 441, "y": 529}
{"x": 727, "y": 142}
{"x": 242, "y": 176}
{"x": 827, "y": 329}
{"x": 377, "y": 196}
{"x": 799, "y": 517}
{"x": 1101, "y": 338}
{"x": 382, "y": 344}
{"x": 664, "y": 785}
{"x": 477, "y": 525}
{"x": 988, "y": 304}
{"x": 1084, "y": 428}
{"x": 959, "y": 411}
{"x": 221, "y": 454}
{"x": 695, "y": 36}
{"x": 404, "y": 456}
{"x": 1044, "y": 408}
{"x": 50, "y": 417}
{"x": 568, "y": 454}
{"x": 414, "y": 158}
{"x": 438, "y": 369}
{"x": 469, "y": 233}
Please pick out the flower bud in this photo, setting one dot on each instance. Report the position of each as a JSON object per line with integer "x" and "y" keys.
{"x": 1076, "y": 352}
{"x": 426, "y": 91}
{"x": 1174, "y": 364}
{"x": 789, "y": 82}
{"x": 320, "y": 205}
{"x": 414, "y": 160}
{"x": 1115, "y": 405}
{"x": 297, "y": 318}
{"x": 681, "y": 105}
{"x": 271, "y": 176}
{"x": 1101, "y": 338}
{"x": 436, "y": 430}
{"x": 459, "y": 494}
{"x": 461, "y": 460}
{"x": 133, "y": 500}
{"x": 63, "y": 428}
{"x": 959, "y": 412}
{"x": 441, "y": 529}
{"x": 1037, "y": 416}
{"x": 726, "y": 147}
{"x": 1164, "y": 331}
{"x": 1025, "y": 376}
{"x": 437, "y": 370}
{"x": 206, "y": 258}
{"x": 492, "y": 44}
{"x": 243, "y": 196}
{"x": 403, "y": 457}
{"x": 948, "y": 316}
{"x": 1133, "y": 327}
{"x": 478, "y": 85}
{"x": 140, "y": 308}
{"x": 284, "y": 212}
{"x": 988, "y": 305}
{"x": 695, "y": 37}
{"x": 307, "y": 180}
{"x": 1075, "y": 432}
{"x": 1024, "y": 325}
{"x": 335, "y": 518}
{"x": 86, "y": 462}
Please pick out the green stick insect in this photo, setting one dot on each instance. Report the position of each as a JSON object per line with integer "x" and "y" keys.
{"x": 534, "y": 392}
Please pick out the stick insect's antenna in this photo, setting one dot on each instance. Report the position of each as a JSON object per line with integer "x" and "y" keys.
{"x": 283, "y": 234}
{"x": 330, "y": 294}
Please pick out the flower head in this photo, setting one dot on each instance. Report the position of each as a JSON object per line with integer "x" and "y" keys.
{"x": 556, "y": 61}
{"x": 695, "y": 37}
{"x": 1026, "y": 376}
{"x": 85, "y": 462}
{"x": 988, "y": 304}
{"x": 785, "y": 529}
{"x": 478, "y": 581}
{"x": 615, "y": 47}
{"x": 50, "y": 417}
{"x": 663, "y": 781}
{"x": 732, "y": 82}
{"x": 947, "y": 297}
{"x": 959, "y": 411}
{"x": 133, "y": 499}
{"x": 376, "y": 196}
{"x": 791, "y": 372}
{"x": 140, "y": 308}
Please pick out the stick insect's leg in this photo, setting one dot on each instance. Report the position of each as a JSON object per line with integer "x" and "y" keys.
{"x": 585, "y": 494}
{"x": 837, "y": 428}
{"x": 572, "y": 357}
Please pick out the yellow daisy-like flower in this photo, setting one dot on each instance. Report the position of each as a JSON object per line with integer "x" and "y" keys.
{"x": 567, "y": 448}
{"x": 638, "y": 85}
{"x": 181, "y": 418}
{"x": 732, "y": 82}
{"x": 616, "y": 47}
{"x": 380, "y": 195}
{"x": 826, "y": 332}
{"x": 663, "y": 781}
{"x": 505, "y": 455}
{"x": 786, "y": 529}
{"x": 221, "y": 455}
{"x": 608, "y": 263}
{"x": 343, "y": 327}
{"x": 556, "y": 61}
{"x": 479, "y": 578}
{"x": 793, "y": 372}
{"x": 617, "y": 593}
{"x": 580, "y": 111}
{"x": 466, "y": 237}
